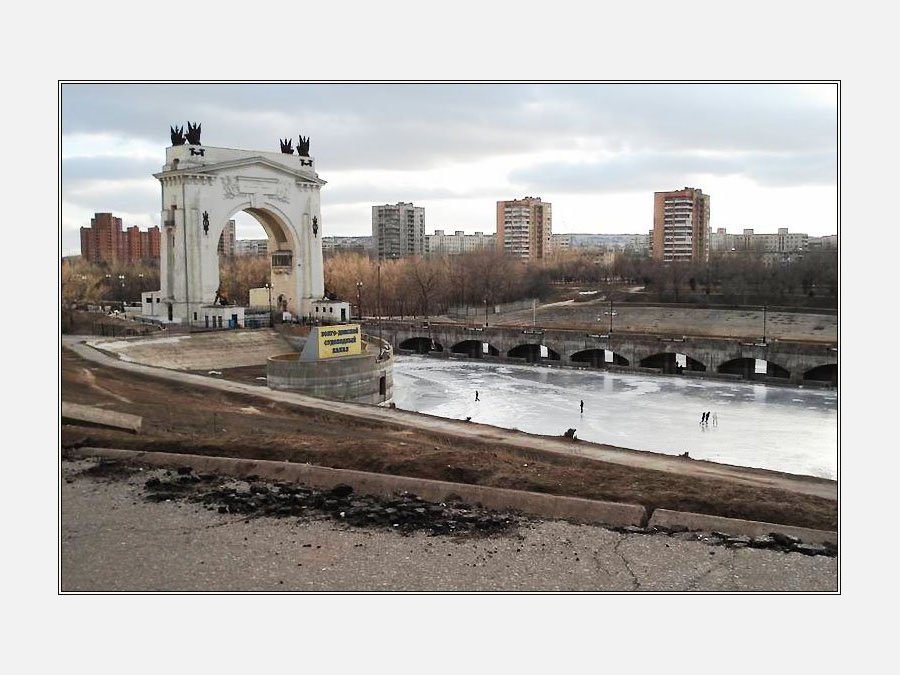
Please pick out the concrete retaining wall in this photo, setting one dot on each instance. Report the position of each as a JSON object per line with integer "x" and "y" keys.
{"x": 98, "y": 417}
{"x": 698, "y": 522}
{"x": 572, "y": 509}
{"x": 384, "y": 485}
{"x": 349, "y": 378}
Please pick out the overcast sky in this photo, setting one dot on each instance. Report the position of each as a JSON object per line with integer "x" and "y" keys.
{"x": 765, "y": 153}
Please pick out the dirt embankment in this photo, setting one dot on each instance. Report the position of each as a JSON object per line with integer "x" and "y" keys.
{"x": 183, "y": 419}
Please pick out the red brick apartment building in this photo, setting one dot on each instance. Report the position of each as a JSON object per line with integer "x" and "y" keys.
{"x": 104, "y": 241}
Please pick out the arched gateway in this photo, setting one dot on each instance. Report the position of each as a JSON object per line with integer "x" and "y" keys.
{"x": 204, "y": 187}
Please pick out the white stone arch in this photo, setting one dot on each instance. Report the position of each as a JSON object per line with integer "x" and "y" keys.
{"x": 203, "y": 188}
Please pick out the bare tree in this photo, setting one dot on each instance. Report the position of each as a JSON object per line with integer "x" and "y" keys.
{"x": 425, "y": 276}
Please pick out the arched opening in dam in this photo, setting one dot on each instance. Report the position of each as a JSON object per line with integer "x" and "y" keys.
{"x": 475, "y": 349}
{"x": 421, "y": 345}
{"x": 827, "y": 373}
{"x": 533, "y": 353}
{"x": 672, "y": 363}
{"x": 599, "y": 358}
{"x": 753, "y": 369}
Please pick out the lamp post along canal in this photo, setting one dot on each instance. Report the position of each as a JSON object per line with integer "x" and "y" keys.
{"x": 611, "y": 314}
{"x": 378, "y": 301}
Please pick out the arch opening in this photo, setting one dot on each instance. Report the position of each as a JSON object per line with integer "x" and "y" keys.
{"x": 673, "y": 363}
{"x": 475, "y": 349}
{"x": 599, "y": 358}
{"x": 533, "y": 353}
{"x": 421, "y": 345}
{"x": 243, "y": 261}
{"x": 753, "y": 369}
{"x": 827, "y": 373}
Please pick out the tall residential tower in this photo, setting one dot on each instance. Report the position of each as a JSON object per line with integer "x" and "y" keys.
{"x": 398, "y": 230}
{"x": 524, "y": 227}
{"x": 680, "y": 225}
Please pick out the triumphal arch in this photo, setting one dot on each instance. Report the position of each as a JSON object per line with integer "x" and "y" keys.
{"x": 204, "y": 187}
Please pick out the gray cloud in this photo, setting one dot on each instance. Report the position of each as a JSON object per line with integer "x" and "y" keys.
{"x": 77, "y": 170}
{"x": 648, "y": 172}
{"x": 645, "y": 136}
{"x": 414, "y": 126}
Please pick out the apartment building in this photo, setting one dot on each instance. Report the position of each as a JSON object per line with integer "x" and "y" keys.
{"x": 227, "y": 241}
{"x": 680, "y": 226}
{"x": 781, "y": 242}
{"x": 524, "y": 228}
{"x": 636, "y": 243}
{"x": 458, "y": 242}
{"x": 780, "y": 247}
{"x": 105, "y": 241}
{"x": 398, "y": 230}
{"x": 252, "y": 247}
{"x": 334, "y": 244}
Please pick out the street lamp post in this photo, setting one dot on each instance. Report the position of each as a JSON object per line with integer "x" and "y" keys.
{"x": 271, "y": 317}
{"x": 485, "y": 312}
{"x": 611, "y": 314}
{"x": 141, "y": 284}
{"x": 359, "y": 299}
{"x": 765, "y": 307}
{"x": 378, "y": 301}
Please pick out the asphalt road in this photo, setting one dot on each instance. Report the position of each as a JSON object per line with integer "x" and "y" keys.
{"x": 113, "y": 540}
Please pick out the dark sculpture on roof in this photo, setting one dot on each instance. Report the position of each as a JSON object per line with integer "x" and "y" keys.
{"x": 303, "y": 147}
{"x": 287, "y": 146}
{"x": 193, "y": 134}
{"x": 177, "y": 134}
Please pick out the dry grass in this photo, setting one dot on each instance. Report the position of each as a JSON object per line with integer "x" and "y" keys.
{"x": 180, "y": 419}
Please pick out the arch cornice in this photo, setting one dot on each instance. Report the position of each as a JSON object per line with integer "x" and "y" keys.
{"x": 180, "y": 177}
{"x": 255, "y": 162}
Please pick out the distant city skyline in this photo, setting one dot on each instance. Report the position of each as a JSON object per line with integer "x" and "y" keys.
{"x": 765, "y": 153}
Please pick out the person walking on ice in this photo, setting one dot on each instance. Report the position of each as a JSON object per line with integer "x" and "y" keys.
{"x": 582, "y": 406}
{"x": 476, "y": 395}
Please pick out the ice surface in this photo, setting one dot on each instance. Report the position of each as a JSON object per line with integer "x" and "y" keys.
{"x": 788, "y": 429}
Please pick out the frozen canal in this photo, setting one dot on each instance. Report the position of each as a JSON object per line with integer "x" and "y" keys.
{"x": 785, "y": 429}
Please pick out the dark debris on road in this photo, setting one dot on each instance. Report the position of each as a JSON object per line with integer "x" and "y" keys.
{"x": 404, "y": 512}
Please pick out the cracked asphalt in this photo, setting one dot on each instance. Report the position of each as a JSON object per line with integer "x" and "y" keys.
{"x": 114, "y": 540}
